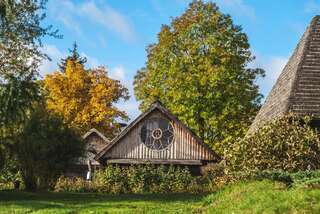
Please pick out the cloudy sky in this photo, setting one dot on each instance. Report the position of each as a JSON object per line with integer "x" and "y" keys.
{"x": 115, "y": 33}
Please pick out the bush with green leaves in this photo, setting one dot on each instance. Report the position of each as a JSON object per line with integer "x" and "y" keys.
{"x": 10, "y": 173}
{"x": 44, "y": 149}
{"x": 75, "y": 184}
{"x": 144, "y": 178}
{"x": 297, "y": 179}
{"x": 287, "y": 143}
{"x": 136, "y": 179}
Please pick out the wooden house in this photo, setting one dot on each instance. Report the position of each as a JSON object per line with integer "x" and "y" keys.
{"x": 297, "y": 90}
{"x": 157, "y": 137}
{"x": 95, "y": 141}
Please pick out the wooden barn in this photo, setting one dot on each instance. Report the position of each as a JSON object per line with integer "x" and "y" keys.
{"x": 157, "y": 137}
{"x": 94, "y": 143}
{"x": 297, "y": 89}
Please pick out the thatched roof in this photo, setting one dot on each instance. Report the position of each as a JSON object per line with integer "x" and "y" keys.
{"x": 297, "y": 89}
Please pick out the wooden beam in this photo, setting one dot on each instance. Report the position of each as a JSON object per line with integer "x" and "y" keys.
{"x": 137, "y": 161}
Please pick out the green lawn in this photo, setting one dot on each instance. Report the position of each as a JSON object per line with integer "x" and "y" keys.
{"x": 263, "y": 197}
{"x": 22, "y": 202}
{"x": 252, "y": 197}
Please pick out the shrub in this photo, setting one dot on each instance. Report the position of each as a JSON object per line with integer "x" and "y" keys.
{"x": 306, "y": 178}
{"x": 213, "y": 170}
{"x": 136, "y": 179}
{"x": 9, "y": 173}
{"x": 64, "y": 184}
{"x": 111, "y": 180}
{"x": 44, "y": 149}
{"x": 278, "y": 175}
{"x": 287, "y": 144}
{"x": 301, "y": 178}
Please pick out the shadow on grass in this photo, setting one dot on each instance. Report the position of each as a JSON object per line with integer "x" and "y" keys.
{"x": 8, "y": 195}
{"x": 91, "y": 201}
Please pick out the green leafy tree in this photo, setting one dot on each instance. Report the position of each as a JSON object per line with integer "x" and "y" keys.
{"x": 198, "y": 69}
{"x": 45, "y": 148}
{"x": 20, "y": 55}
{"x": 20, "y": 37}
{"x": 21, "y": 32}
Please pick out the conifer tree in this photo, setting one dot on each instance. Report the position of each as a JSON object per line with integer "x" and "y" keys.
{"x": 74, "y": 56}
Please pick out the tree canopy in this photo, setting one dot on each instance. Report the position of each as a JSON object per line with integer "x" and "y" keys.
{"x": 85, "y": 98}
{"x": 198, "y": 69}
{"x": 21, "y": 32}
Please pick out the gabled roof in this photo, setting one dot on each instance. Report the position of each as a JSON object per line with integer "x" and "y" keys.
{"x": 155, "y": 106}
{"x": 93, "y": 130}
{"x": 297, "y": 89}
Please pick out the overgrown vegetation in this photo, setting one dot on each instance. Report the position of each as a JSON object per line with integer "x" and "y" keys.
{"x": 44, "y": 149}
{"x": 287, "y": 143}
{"x": 138, "y": 180}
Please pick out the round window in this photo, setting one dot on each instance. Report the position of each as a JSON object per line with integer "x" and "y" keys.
{"x": 156, "y": 133}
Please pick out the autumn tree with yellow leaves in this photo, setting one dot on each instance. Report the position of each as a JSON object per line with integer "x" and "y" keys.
{"x": 85, "y": 98}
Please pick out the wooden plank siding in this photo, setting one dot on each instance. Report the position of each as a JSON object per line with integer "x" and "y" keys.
{"x": 183, "y": 147}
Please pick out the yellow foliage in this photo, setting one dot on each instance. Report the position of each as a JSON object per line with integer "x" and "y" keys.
{"x": 85, "y": 98}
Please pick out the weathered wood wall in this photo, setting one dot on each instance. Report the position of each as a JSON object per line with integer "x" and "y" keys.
{"x": 184, "y": 146}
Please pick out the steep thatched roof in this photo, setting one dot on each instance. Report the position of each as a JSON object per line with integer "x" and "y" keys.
{"x": 297, "y": 89}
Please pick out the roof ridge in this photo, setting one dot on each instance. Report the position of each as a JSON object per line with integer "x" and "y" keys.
{"x": 93, "y": 130}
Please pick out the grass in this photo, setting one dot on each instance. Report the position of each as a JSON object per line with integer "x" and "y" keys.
{"x": 263, "y": 197}
{"x": 49, "y": 202}
{"x": 246, "y": 197}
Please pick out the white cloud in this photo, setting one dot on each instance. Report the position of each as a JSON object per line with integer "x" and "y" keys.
{"x": 92, "y": 62}
{"x": 109, "y": 18}
{"x": 131, "y": 107}
{"x": 70, "y": 23}
{"x": 69, "y": 14}
{"x": 237, "y": 7}
{"x": 273, "y": 65}
{"x": 55, "y": 54}
{"x": 118, "y": 73}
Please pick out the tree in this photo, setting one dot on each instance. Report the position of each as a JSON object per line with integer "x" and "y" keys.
{"x": 74, "y": 57}
{"x": 45, "y": 148}
{"x": 20, "y": 55}
{"x": 198, "y": 70}
{"x": 20, "y": 38}
{"x": 21, "y": 32}
{"x": 85, "y": 98}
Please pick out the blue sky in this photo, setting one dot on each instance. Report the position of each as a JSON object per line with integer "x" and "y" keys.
{"x": 115, "y": 33}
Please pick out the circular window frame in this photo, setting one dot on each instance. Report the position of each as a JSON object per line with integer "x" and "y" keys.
{"x": 157, "y": 118}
